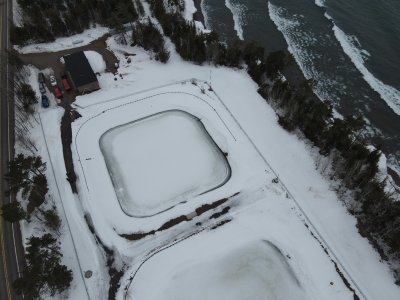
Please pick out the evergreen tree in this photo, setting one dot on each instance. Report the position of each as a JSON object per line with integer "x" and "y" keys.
{"x": 52, "y": 220}
{"x": 26, "y": 94}
{"x": 163, "y": 55}
{"x": 57, "y": 24}
{"x": 275, "y": 63}
{"x": 43, "y": 272}
{"x": 20, "y": 35}
{"x": 38, "y": 192}
{"x": 13, "y": 212}
{"x": 21, "y": 172}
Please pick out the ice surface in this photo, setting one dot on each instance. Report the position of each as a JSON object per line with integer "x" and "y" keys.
{"x": 256, "y": 270}
{"x": 159, "y": 161}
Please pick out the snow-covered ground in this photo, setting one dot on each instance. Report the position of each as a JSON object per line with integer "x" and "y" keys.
{"x": 17, "y": 13}
{"x": 191, "y": 254}
{"x": 48, "y": 138}
{"x": 84, "y": 38}
{"x": 190, "y": 9}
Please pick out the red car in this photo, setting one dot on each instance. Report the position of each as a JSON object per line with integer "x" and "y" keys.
{"x": 65, "y": 83}
{"x": 57, "y": 92}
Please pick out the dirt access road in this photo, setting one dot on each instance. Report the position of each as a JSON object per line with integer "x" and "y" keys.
{"x": 51, "y": 60}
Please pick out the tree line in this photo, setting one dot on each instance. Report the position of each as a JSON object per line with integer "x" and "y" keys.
{"x": 44, "y": 272}
{"x": 147, "y": 36}
{"x": 352, "y": 160}
{"x": 45, "y": 20}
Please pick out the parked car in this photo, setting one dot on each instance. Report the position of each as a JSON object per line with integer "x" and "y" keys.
{"x": 41, "y": 78}
{"x": 53, "y": 80}
{"x": 57, "y": 92}
{"x": 42, "y": 88}
{"x": 45, "y": 101}
{"x": 66, "y": 84}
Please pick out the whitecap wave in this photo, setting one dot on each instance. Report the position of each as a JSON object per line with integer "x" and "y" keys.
{"x": 320, "y": 3}
{"x": 298, "y": 41}
{"x": 238, "y": 11}
{"x": 206, "y": 16}
{"x": 352, "y": 47}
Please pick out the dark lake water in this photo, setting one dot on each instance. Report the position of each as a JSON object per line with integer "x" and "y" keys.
{"x": 350, "y": 48}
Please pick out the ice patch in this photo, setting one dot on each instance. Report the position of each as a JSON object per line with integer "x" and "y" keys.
{"x": 320, "y": 3}
{"x": 190, "y": 9}
{"x": 64, "y": 43}
{"x": 351, "y": 47}
{"x": 238, "y": 12}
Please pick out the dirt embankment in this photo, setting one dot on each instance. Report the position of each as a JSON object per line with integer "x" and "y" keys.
{"x": 66, "y": 138}
{"x": 173, "y": 222}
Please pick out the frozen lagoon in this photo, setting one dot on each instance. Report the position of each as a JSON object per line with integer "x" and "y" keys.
{"x": 207, "y": 268}
{"x": 162, "y": 160}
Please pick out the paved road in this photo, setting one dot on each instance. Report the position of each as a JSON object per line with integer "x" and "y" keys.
{"x": 11, "y": 251}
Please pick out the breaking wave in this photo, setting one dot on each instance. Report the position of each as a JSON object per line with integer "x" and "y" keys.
{"x": 353, "y": 49}
{"x": 298, "y": 42}
{"x": 238, "y": 11}
{"x": 320, "y": 3}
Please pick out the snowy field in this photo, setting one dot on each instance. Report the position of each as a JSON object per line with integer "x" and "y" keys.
{"x": 159, "y": 155}
{"x": 159, "y": 161}
{"x": 184, "y": 261}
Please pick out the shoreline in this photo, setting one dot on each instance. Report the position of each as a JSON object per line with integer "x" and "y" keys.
{"x": 198, "y": 15}
{"x": 293, "y": 72}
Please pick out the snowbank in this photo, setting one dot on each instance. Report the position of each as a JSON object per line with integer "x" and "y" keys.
{"x": 17, "y": 14}
{"x": 64, "y": 43}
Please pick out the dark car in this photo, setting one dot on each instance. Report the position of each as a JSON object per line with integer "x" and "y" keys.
{"x": 42, "y": 88}
{"x": 45, "y": 101}
{"x": 41, "y": 78}
{"x": 57, "y": 92}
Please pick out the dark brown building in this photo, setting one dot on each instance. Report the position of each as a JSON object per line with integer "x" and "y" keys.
{"x": 80, "y": 73}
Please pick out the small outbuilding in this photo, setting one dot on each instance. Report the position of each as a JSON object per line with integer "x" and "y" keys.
{"x": 80, "y": 73}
